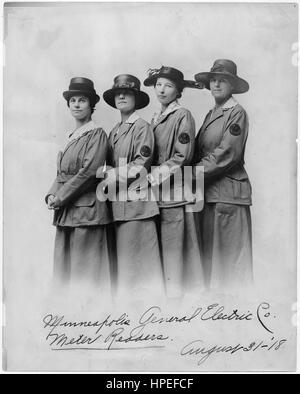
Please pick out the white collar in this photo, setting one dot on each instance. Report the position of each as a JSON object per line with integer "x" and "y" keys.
{"x": 173, "y": 106}
{"x": 81, "y": 130}
{"x": 132, "y": 118}
{"x": 231, "y": 102}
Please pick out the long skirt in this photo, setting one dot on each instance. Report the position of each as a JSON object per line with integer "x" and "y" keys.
{"x": 227, "y": 245}
{"x": 81, "y": 256}
{"x": 180, "y": 250}
{"x": 138, "y": 271}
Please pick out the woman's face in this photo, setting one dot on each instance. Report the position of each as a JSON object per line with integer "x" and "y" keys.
{"x": 80, "y": 107}
{"x": 166, "y": 91}
{"x": 221, "y": 88}
{"x": 125, "y": 100}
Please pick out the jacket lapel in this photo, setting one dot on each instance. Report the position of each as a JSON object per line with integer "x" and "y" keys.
{"x": 72, "y": 142}
{"x": 206, "y": 120}
{"x": 122, "y": 131}
{"x": 214, "y": 115}
{"x": 68, "y": 145}
{"x": 66, "y": 148}
{"x": 114, "y": 133}
{"x": 161, "y": 119}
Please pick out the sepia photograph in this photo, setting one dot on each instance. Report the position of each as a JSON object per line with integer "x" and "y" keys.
{"x": 150, "y": 186}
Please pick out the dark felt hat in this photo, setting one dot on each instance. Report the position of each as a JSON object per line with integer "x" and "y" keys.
{"x": 130, "y": 82}
{"x": 227, "y": 69}
{"x": 80, "y": 85}
{"x": 170, "y": 73}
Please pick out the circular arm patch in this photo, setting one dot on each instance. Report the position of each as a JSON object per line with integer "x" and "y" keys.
{"x": 184, "y": 138}
{"x": 145, "y": 151}
{"x": 235, "y": 129}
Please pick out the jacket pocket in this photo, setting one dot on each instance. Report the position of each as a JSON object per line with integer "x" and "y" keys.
{"x": 86, "y": 200}
{"x": 85, "y": 209}
{"x": 241, "y": 188}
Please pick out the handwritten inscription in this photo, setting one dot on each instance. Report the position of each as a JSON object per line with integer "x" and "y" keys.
{"x": 117, "y": 335}
{"x": 198, "y": 348}
{"x": 151, "y": 329}
{"x": 262, "y": 315}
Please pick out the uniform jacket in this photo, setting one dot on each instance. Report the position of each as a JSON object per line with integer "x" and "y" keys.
{"x": 133, "y": 141}
{"x": 75, "y": 183}
{"x": 220, "y": 146}
{"x": 174, "y": 133}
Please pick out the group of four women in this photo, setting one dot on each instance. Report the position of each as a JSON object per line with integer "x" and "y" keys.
{"x": 152, "y": 247}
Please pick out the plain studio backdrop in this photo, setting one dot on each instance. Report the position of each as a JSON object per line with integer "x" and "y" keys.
{"x": 48, "y": 44}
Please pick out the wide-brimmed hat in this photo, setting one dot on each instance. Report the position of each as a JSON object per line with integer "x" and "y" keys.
{"x": 170, "y": 73}
{"x": 81, "y": 86}
{"x": 130, "y": 82}
{"x": 227, "y": 69}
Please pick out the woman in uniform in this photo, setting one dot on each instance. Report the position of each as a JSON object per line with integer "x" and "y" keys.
{"x": 80, "y": 251}
{"x": 174, "y": 133}
{"x": 220, "y": 147}
{"x": 130, "y": 154}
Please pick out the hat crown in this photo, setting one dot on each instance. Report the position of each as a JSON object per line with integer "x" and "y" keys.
{"x": 82, "y": 80}
{"x": 173, "y": 72}
{"x": 224, "y": 66}
{"x": 80, "y": 83}
{"x": 166, "y": 72}
{"x": 126, "y": 81}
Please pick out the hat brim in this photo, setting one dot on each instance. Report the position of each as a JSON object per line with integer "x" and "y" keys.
{"x": 70, "y": 93}
{"x": 151, "y": 81}
{"x": 141, "y": 98}
{"x": 239, "y": 84}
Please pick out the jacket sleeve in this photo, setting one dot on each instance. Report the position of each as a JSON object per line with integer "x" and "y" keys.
{"x": 184, "y": 149}
{"x": 94, "y": 157}
{"x": 142, "y": 156}
{"x": 231, "y": 148}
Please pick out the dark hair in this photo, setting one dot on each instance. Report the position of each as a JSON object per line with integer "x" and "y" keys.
{"x": 92, "y": 101}
{"x": 180, "y": 87}
{"x": 178, "y": 84}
